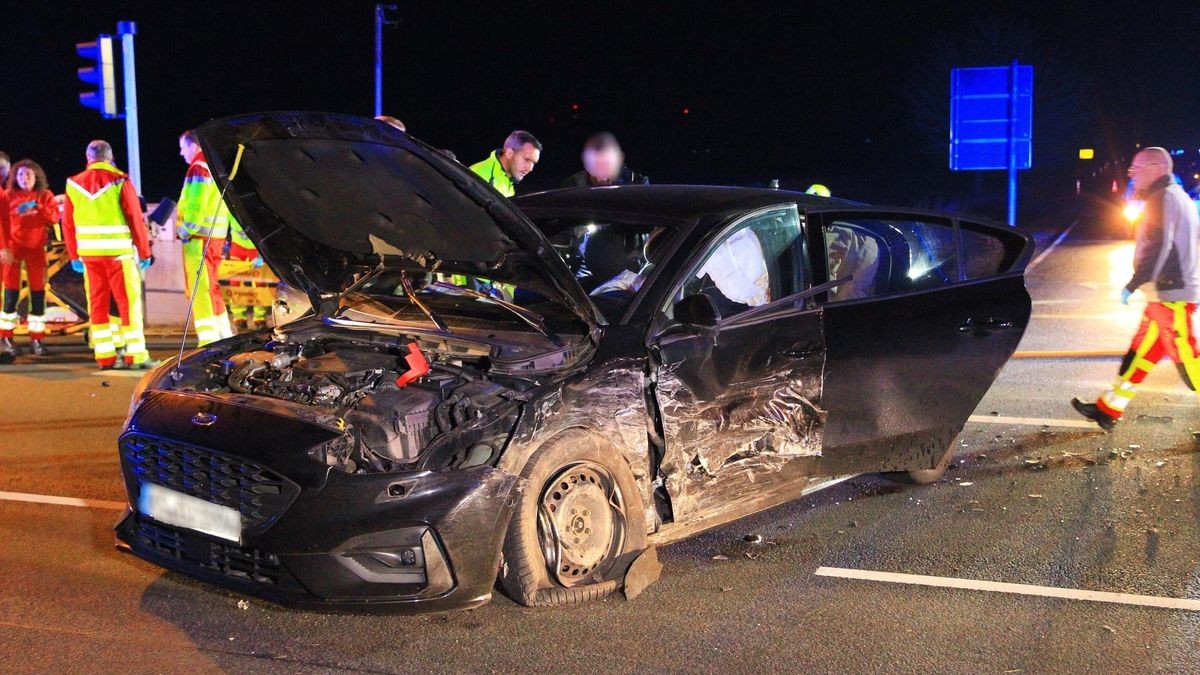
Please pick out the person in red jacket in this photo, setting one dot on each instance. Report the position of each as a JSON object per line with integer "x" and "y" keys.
{"x": 5, "y": 253}
{"x": 31, "y": 210}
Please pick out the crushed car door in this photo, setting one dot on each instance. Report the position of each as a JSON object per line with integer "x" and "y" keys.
{"x": 737, "y": 356}
{"x": 918, "y": 336}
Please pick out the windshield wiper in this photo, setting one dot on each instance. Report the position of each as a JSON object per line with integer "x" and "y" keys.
{"x": 530, "y": 317}
{"x": 412, "y": 296}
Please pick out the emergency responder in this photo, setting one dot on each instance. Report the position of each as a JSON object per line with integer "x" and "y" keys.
{"x": 5, "y": 254}
{"x": 242, "y": 249}
{"x": 505, "y": 167}
{"x": 604, "y": 164}
{"x": 203, "y": 223}
{"x": 107, "y": 242}
{"x": 1167, "y": 254}
{"x": 31, "y": 210}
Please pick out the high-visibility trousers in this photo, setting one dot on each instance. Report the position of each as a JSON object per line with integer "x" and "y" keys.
{"x": 108, "y": 280}
{"x": 34, "y": 262}
{"x": 208, "y": 307}
{"x": 1165, "y": 330}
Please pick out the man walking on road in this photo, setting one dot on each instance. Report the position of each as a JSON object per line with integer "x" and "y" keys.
{"x": 1166, "y": 254}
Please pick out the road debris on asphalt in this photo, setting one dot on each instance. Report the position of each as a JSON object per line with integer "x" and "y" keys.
{"x": 243, "y": 605}
{"x": 753, "y": 539}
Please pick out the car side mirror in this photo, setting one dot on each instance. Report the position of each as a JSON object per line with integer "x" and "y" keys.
{"x": 697, "y": 311}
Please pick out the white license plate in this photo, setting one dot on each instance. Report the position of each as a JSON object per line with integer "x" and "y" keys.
{"x": 175, "y": 508}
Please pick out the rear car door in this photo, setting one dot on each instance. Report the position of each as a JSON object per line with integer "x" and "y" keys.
{"x": 933, "y": 310}
{"x": 739, "y": 395}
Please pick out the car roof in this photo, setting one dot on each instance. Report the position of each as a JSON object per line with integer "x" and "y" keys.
{"x": 679, "y": 203}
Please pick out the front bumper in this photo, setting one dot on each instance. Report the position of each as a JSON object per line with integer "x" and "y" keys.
{"x": 432, "y": 544}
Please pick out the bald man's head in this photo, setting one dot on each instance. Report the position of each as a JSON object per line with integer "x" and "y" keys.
{"x": 1149, "y": 165}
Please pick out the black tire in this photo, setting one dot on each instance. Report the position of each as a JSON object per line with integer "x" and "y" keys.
{"x": 583, "y": 462}
{"x": 923, "y": 476}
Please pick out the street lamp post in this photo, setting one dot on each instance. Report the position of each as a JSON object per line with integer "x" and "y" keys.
{"x": 380, "y": 21}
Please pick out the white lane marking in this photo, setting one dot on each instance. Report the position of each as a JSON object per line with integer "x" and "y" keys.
{"x": 1188, "y": 604}
{"x": 1042, "y": 256}
{"x": 61, "y": 501}
{"x": 1032, "y": 422}
{"x": 119, "y": 373}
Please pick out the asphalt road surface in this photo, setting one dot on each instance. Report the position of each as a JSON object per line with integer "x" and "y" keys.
{"x": 1034, "y": 499}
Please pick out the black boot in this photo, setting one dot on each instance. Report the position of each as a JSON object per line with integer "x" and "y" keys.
{"x": 1095, "y": 414}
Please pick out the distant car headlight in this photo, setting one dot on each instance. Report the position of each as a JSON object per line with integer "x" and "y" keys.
{"x": 1133, "y": 210}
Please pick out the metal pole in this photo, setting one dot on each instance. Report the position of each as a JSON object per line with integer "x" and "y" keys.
{"x": 1012, "y": 144}
{"x": 378, "y": 59}
{"x": 127, "y": 29}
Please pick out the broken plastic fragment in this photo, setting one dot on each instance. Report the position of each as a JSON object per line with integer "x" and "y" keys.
{"x": 243, "y": 605}
{"x": 1036, "y": 496}
{"x": 965, "y": 483}
{"x": 753, "y": 538}
{"x": 720, "y": 557}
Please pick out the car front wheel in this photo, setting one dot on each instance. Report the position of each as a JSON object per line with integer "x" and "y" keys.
{"x": 577, "y": 525}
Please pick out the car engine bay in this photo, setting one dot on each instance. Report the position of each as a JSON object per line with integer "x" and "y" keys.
{"x": 398, "y": 408}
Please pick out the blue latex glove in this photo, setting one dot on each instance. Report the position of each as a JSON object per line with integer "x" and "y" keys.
{"x": 257, "y": 262}
{"x": 143, "y": 263}
{"x": 1125, "y": 293}
{"x": 183, "y": 234}
{"x": 77, "y": 265}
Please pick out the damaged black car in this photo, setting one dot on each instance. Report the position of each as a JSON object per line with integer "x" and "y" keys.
{"x": 465, "y": 391}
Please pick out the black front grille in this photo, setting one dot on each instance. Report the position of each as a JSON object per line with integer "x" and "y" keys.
{"x": 259, "y": 494}
{"x": 238, "y": 562}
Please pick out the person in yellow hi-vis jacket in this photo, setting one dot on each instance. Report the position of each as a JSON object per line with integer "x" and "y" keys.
{"x": 107, "y": 241}
{"x": 242, "y": 249}
{"x": 203, "y": 224}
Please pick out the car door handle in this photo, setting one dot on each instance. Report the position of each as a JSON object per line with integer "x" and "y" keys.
{"x": 984, "y": 325}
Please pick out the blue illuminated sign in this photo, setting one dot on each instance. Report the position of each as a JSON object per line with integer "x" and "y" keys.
{"x": 987, "y": 107}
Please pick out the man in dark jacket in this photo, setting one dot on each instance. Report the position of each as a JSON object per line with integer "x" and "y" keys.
{"x": 1166, "y": 255}
{"x": 604, "y": 164}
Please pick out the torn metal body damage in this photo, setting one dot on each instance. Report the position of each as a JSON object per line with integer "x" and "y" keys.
{"x": 716, "y": 448}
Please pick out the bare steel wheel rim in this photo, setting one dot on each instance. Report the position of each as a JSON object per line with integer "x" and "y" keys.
{"x": 581, "y": 523}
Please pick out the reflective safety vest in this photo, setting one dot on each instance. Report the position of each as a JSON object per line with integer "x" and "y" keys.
{"x": 202, "y": 212}
{"x": 101, "y": 228}
{"x": 493, "y": 172}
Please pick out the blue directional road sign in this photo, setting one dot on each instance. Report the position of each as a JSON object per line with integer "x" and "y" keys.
{"x": 986, "y": 108}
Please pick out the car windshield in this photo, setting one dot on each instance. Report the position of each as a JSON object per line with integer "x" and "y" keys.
{"x": 610, "y": 259}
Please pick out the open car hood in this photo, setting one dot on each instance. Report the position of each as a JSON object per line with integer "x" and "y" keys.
{"x": 326, "y": 197}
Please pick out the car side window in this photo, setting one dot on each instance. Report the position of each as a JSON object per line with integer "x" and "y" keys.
{"x": 987, "y": 251}
{"x": 886, "y": 256}
{"x": 759, "y": 260}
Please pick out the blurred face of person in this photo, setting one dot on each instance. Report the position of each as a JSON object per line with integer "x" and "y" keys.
{"x": 4, "y": 166}
{"x": 519, "y": 162}
{"x": 188, "y": 150}
{"x": 1146, "y": 168}
{"x": 26, "y": 178}
{"x": 603, "y": 164}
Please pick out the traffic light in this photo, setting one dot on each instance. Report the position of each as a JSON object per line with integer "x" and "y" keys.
{"x": 104, "y": 98}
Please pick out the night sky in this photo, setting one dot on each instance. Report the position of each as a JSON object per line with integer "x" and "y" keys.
{"x": 849, "y": 94}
